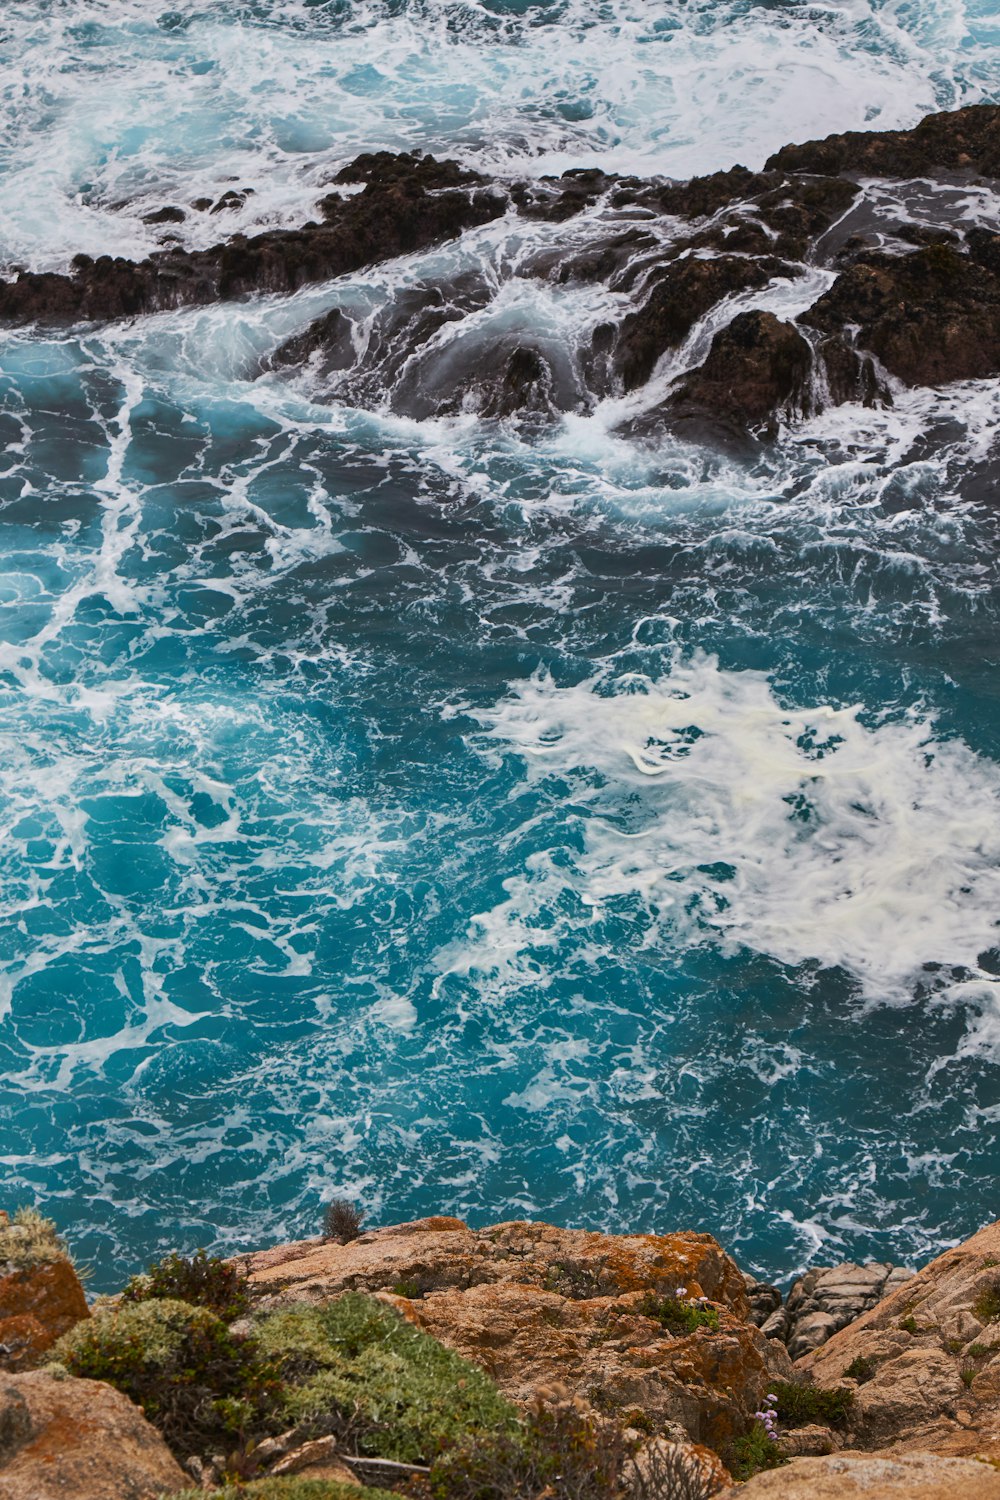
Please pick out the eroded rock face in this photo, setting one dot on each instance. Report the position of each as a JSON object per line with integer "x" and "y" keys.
{"x": 537, "y": 1306}
{"x": 925, "y": 1361}
{"x": 914, "y": 1476}
{"x": 79, "y": 1438}
{"x": 827, "y": 1298}
{"x": 757, "y": 370}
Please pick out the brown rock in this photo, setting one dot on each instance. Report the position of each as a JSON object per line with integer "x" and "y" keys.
{"x": 318, "y": 1457}
{"x": 913, "y": 1476}
{"x": 80, "y": 1439}
{"x": 930, "y": 317}
{"x": 926, "y": 1353}
{"x": 37, "y": 1305}
{"x": 957, "y": 140}
{"x": 540, "y": 1306}
{"x": 757, "y": 370}
{"x": 439, "y": 1253}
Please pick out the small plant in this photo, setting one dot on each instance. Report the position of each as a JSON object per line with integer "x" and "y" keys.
{"x": 797, "y": 1405}
{"x": 908, "y": 1324}
{"x": 968, "y": 1375}
{"x": 341, "y": 1221}
{"x": 954, "y": 1346}
{"x": 758, "y": 1449}
{"x": 980, "y": 1351}
{"x": 557, "y": 1451}
{"x": 679, "y": 1317}
{"x": 862, "y": 1368}
{"x": 987, "y": 1305}
{"x": 201, "y": 1279}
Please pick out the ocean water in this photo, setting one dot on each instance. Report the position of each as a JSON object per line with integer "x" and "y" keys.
{"x": 453, "y": 817}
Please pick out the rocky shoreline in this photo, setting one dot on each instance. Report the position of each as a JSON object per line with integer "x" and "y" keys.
{"x": 880, "y": 250}
{"x": 411, "y": 1357}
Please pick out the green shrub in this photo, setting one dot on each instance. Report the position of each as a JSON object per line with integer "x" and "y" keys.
{"x": 908, "y": 1324}
{"x": 861, "y": 1369}
{"x": 290, "y": 1488}
{"x": 677, "y": 1316}
{"x": 987, "y": 1305}
{"x": 201, "y": 1279}
{"x": 201, "y": 1385}
{"x": 755, "y": 1451}
{"x": 355, "y": 1368}
{"x": 968, "y": 1375}
{"x": 558, "y": 1452}
{"x": 798, "y": 1405}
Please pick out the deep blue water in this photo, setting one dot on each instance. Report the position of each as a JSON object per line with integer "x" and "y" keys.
{"x": 458, "y": 820}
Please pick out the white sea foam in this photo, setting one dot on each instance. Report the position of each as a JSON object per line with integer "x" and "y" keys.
{"x": 111, "y": 112}
{"x": 806, "y": 834}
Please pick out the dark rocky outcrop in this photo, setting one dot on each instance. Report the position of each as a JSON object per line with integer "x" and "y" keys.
{"x": 962, "y": 140}
{"x": 407, "y": 203}
{"x": 757, "y": 369}
{"x": 900, "y": 295}
{"x": 930, "y": 316}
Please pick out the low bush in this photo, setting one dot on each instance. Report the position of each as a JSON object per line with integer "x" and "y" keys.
{"x": 987, "y": 1305}
{"x": 289, "y": 1489}
{"x": 798, "y": 1405}
{"x": 342, "y": 1221}
{"x": 201, "y": 1385}
{"x": 753, "y": 1452}
{"x": 558, "y": 1452}
{"x": 355, "y": 1368}
{"x": 861, "y": 1369}
{"x": 678, "y": 1316}
{"x": 201, "y": 1279}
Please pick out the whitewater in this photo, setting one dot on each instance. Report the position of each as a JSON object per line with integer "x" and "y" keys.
{"x": 458, "y": 817}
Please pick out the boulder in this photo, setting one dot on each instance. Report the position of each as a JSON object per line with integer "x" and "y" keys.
{"x": 842, "y": 1476}
{"x": 757, "y": 371}
{"x": 925, "y": 1362}
{"x": 78, "y": 1438}
{"x": 536, "y": 1306}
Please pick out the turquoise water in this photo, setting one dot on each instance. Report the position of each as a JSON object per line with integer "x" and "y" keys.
{"x": 456, "y": 819}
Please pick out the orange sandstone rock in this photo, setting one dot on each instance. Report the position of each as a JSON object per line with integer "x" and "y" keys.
{"x": 38, "y": 1304}
{"x": 80, "y": 1439}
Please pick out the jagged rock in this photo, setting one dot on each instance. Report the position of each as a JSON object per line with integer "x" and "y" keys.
{"x": 539, "y": 1306}
{"x": 442, "y": 1253}
{"x": 680, "y": 295}
{"x": 925, "y": 1354}
{"x": 930, "y": 317}
{"x": 961, "y": 140}
{"x": 764, "y": 1299}
{"x": 826, "y": 1299}
{"x": 844, "y": 1476}
{"x": 408, "y": 202}
{"x": 757, "y": 370}
{"x": 79, "y": 1438}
